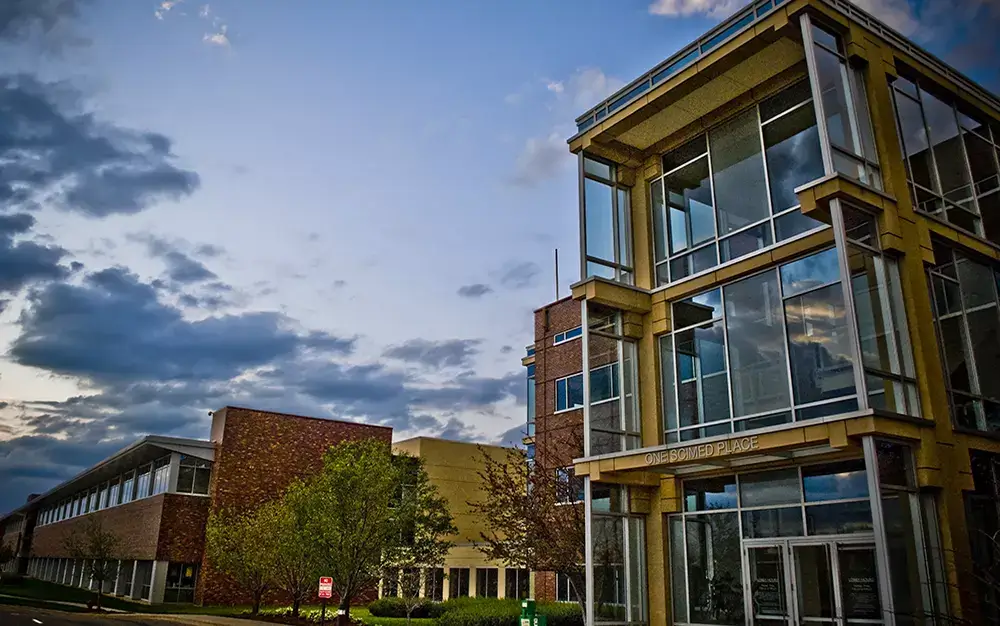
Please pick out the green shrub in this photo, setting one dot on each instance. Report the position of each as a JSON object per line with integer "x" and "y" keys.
{"x": 395, "y": 607}
{"x": 309, "y": 615}
{"x": 495, "y": 612}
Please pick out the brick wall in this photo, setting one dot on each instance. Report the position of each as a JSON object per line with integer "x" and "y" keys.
{"x": 182, "y": 528}
{"x": 137, "y": 525}
{"x": 558, "y": 436}
{"x": 257, "y": 455}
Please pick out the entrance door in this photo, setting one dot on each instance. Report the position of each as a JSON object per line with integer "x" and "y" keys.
{"x": 806, "y": 582}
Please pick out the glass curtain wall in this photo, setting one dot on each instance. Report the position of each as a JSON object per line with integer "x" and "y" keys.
{"x": 890, "y": 377}
{"x": 730, "y": 192}
{"x": 774, "y": 348}
{"x": 967, "y": 317}
{"x": 611, "y": 391}
{"x": 845, "y": 109}
{"x": 951, "y": 159}
{"x": 705, "y": 539}
{"x": 618, "y": 553}
{"x": 531, "y": 400}
{"x": 607, "y": 240}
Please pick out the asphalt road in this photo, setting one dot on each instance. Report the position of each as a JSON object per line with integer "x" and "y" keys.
{"x": 25, "y": 616}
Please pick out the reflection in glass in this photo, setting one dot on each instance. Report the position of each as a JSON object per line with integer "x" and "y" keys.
{"x": 793, "y": 155}
{"x": 609, "y": 568}
{"x": 948, "y": 152}
{"x": 794, "y": 223}
{"x": 703, "y": 386}
{"x": 839, "y": 518}
{"x": 835, "y": 481}
{"x": 738, "y": 173}
{"x": 819, "y": 346}
{"x": 697, "y": 261}
{"x": 745, "y": 242}
{"x": 600, "y": 220}
{"x": 900, "y": 540}
{"x": 607, "y": 498}
{"x": 701, "y": 308}
{"x": 756, "y": 345}
{"x": 810, "y": 272}
{"x": 915, "y": 141}
{"x": 678, "y": 579}
{"x": 637, "y": 568}
{"x": 832, "y": 83}
{"x": 770, "y": 488}
{"x": 667, "y": 382}
{"x": 786, "y": 522}
{"x": 710, "y": 493}
{"x": 713, "y": 561}
{"x": 689, "y": 203}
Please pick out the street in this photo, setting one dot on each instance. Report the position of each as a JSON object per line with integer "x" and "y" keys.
{"x": 25, "y": 616}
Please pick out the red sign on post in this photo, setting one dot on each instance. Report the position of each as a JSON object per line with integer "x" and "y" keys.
{"x": 325, "y": 587}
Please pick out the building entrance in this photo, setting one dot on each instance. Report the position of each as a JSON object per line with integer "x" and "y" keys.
{"x": 811, "y": 582}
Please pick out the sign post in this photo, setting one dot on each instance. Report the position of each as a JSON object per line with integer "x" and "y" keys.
{"x": 325, "y": 593}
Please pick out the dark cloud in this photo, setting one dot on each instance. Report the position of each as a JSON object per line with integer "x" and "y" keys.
{"x": 520, "y": 275}
{"x": 477, "y": 290}
{"x": 56, "y": 152}
{"x": 436, "y": 354}
{"x": 506, "y": 349}
{"x": 32, "y": 20}
{"x": 24, "y": 262}
{"x": 113, "y": 328}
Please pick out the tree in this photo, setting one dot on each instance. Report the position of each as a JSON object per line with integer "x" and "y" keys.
{"x": 243, "y": 546}
{"x": 360, "y": 521}
{"x": 294, "y": 565}
{"x": 426, "y": 525}
{"x": 6, "y": 555}
{"x": 96, "y": 548}
{"x": 533, "y": 517}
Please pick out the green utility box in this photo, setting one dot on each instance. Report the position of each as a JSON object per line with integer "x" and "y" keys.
{"x": 528, "y": 616}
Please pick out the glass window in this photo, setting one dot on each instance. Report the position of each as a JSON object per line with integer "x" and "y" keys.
{"x": 458, "y": 582}
{"x": 710, "y": 493}
{"x": 516, "y": 583}
{"x": 742, "y": 357}
{"x": 114, "y": 492}
{"x": 968, "y": 327}
{"x": 835, "y": 481}
{"x": 565, "y": 590}
{"x": 783, "y": 522}
{"x": 142, "y": 488}
{"x": 180, "y": 582}
{"x": 770, "y": 488}
{"x": 161, "y": 475}
{"x": 434, "y": 584}
{"x": 715, "y": 587}
{"x": 486, "y": 582}
{"x": 607, "y": 236}
{"x": 193, "y": 475}
{"x": 569, "y": 393}
{"x": 757, "y": 357}
{"x": 691, "y": 231}
{"x": 738, "y": 173}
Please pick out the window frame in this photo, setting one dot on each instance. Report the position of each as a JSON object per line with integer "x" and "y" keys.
{"x": 565, "y": 381}
{"x": 567, "y": 336}
{"x": 623, "y": 272}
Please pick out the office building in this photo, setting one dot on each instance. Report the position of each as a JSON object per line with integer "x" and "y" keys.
{"x": 790, "y": 250}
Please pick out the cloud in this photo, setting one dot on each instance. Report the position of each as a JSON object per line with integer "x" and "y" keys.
{"x": 436, "y": 354}
{"x": 113, "y": 328}
{"x": 181, "y": 268}
{"x": 555, "y": 86}
{"x": 685, "y": 8}
{"x": 512, "y": 438}
{"x": 47, "y": 21}
{"x": 519, "y": 275}
{"x": 55, "y": 152}
{"x": 588, "y": 86}
{"x": 476, "y": 290}
{"x": 164, "y": 7}
{"x": 218, "y": 38}
{"x": 541, "y": 159}
{"x": 24, "y": 262}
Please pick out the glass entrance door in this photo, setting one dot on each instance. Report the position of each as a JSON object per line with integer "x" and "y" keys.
{"x": 811, "y": 583}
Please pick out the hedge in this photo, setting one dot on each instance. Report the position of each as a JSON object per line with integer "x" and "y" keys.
{"x": 495, "y": 612}
{"x": 395, "y": 607}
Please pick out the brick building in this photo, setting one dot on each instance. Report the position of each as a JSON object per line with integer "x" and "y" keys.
{"x": 555, "y": 405}
{"x": 157, "y": 494}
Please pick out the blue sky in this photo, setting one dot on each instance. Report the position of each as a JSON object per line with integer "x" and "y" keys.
{"x": 343, "y": 209}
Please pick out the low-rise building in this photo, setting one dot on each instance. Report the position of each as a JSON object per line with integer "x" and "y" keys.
{"x": 156, "y": 495}
{"x": 454, "y": 467}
